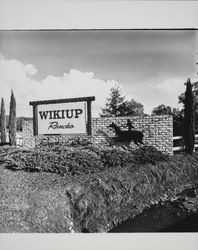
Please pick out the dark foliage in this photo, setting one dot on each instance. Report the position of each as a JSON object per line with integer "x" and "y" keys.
{"x": 76, "y": 141}
{"x": 116, "y": 105}
{"x": 80, "y": 160}
{"x": 162, "y": 110}
{"x": 181, "y": 98}
{"x": 178, "y": 124}
{"x": 114, "y": 158}
{"x": 3, "y": 122}
{"x": 132, "y": 108}
{"x": 148, "y": 155}
{"x": 189, "y": 130}
{"x": 12, "y": 120}
{"x": 70, "y": 162}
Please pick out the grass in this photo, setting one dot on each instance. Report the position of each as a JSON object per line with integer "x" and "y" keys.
{"x": 72, "y": 201}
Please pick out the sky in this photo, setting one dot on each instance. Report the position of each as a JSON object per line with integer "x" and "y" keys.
{"x": 150, "y": 66}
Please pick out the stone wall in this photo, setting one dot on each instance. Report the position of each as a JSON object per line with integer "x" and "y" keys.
{"x": 157, "y": 131}
{"x": 27, "y": 133}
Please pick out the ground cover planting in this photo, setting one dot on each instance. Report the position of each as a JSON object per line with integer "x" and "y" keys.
{"x": 81, "y": 187}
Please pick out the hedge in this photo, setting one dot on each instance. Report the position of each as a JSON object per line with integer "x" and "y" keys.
{"x": 79, "y": 160}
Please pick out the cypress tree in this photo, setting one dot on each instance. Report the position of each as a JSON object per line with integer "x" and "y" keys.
{"x": 3, "y": 122}
{"x": 12, "y": 120}
{"x": 189, "y": 116}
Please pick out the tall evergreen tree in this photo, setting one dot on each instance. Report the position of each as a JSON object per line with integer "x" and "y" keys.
{"x": 3, "y": 122}
{"x": 117, "y": 106}
{"x": 12, "y": 120}
{"x": 189, "y": 114}
{"x": 195, "y": 95}
{"x": 114, "y": 103}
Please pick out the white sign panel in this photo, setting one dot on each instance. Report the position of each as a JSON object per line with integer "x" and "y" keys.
{"x": 62, "y": 118}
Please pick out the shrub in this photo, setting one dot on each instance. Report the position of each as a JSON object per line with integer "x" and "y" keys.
{"x": 79, "y": 160}
{"x": 77, "y": 141}
{"x": 148, "y": 155}
{"x": 116, "y": 158}
{"x": 70, "y": 162}
{"x": 82, "y": 161}
{"x": 70, "y": 142}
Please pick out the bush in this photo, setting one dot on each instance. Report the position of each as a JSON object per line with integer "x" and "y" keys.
{"x": 70, "y": 162}
{"x": 114, "y": 158}
{"x": 70, "y": 142}
{"x": 82, "y": 161}
{"x": 79, "y": 160}
{"x": 148, "y": 155}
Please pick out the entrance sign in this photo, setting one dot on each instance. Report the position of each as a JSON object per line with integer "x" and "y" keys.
{"x": 64, "y": 116}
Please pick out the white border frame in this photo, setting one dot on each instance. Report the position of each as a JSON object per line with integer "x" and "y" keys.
{"x": 63, "y": 14}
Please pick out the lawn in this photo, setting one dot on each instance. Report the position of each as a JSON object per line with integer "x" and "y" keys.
{"x": 86, "y": 188}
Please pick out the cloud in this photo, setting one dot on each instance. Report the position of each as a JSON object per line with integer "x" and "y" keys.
{"x": 171, "y": 85}
{"x": 20, "y": 77}
{"x": 167, "y": 92}
{"x": 30, "y": 69}
{"x": 74, "y": 83}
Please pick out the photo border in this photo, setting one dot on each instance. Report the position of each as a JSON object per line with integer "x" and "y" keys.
{"x": 81, "y": 15}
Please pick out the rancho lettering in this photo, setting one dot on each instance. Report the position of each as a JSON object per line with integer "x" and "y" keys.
{"x": 60, "y": 114}
{"x": 55, "y": 125}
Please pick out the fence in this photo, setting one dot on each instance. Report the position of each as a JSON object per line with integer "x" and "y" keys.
{"x": 180, "y": 148}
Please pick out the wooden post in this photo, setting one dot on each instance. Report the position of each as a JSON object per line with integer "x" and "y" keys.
{"x": 35, "y": 120}
{"x": 89, "y": 117}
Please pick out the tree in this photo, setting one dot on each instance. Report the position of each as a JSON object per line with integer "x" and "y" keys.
{"x": 162, "y": 110}
{"x": 189, "y": 130}
{"x": 181, "y": 98}
{"x": 3, "y": 122}
{"x": 117, "y": 106}
{"x": 178, "y": 119}
{"x": 114, "y": 103}
{"x": 132, "y": 108}
{"x": 12, "y": 120}
{"x": 178, "y": 122}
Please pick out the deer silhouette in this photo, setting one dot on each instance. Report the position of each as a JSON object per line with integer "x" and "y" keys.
{"x": 127, "y": 136}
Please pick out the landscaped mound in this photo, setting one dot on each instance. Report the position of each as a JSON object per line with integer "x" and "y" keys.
{"x": 93, "y": 188}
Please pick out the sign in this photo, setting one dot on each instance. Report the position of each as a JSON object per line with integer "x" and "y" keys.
{"x": 64, "y": 116}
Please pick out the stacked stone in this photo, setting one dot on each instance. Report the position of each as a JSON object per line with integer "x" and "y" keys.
{"x": 27, "y": 134}
{"x": 56, "y": 139}
{"x": 157, "y": 130}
